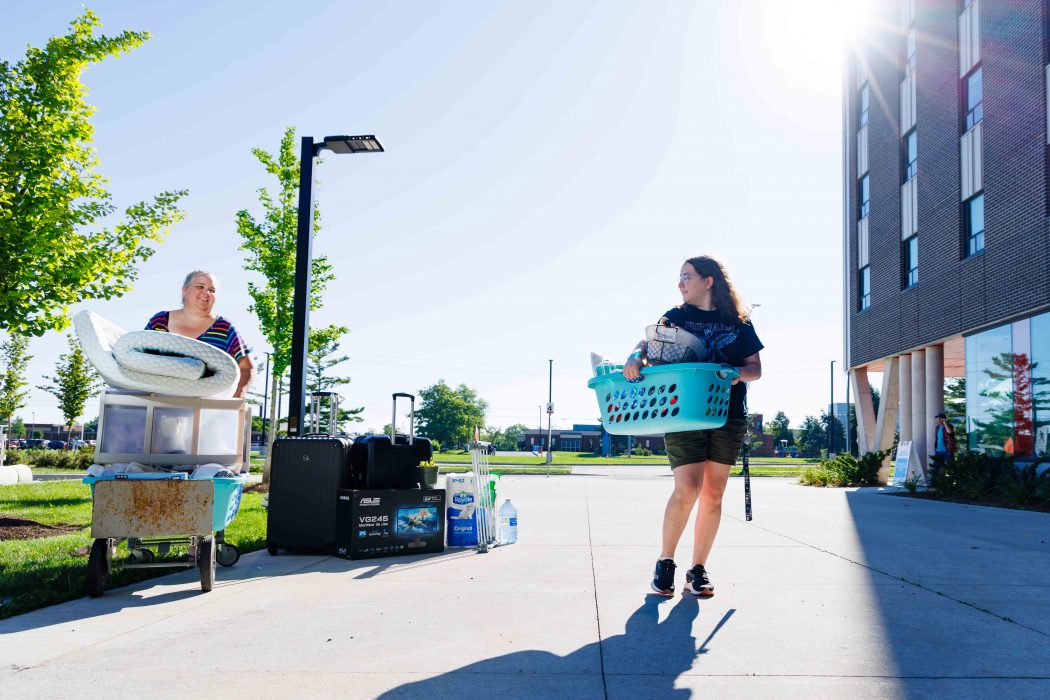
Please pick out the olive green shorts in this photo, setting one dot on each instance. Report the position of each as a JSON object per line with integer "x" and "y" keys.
{"x": 720, "y": 445}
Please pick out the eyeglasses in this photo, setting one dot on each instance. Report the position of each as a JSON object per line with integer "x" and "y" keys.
{"x": 684, "y": 279}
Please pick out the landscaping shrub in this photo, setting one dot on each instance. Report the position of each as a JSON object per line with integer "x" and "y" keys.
{"x": 982, "y": 477}
{"x": 845, "y": 470}
{"x": 642, "y": 452}
{"x": 53, "y": 459}
{"x": 17, "y": 457}
{"x": 819, "y": 475}
{"x": 1020, "y": 486}
{"x": 868, "y": 467}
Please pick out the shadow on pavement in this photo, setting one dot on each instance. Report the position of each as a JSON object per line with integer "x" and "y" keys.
{"x": 959, "y": 591}
{"x": 669, "y": 646}
{"x": 85, "y": 608}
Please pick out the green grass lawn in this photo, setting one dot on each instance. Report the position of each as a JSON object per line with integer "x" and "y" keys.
{"x": 40, "y": 572}
{"x": 528, "y": 469}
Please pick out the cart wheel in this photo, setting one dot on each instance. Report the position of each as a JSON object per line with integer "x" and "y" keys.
{"x": 98, "y": 568}
{"x": 206, "y": 562}
{"x": 143, "y": 556}
{"x": 227, "y": 554}
{"x": 271, "y": 548}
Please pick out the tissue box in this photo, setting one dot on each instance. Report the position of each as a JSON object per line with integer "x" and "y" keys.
{"x": 389, "y": 523}
{"x": 168, "y": 430}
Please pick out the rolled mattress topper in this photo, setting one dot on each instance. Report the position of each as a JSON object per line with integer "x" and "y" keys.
{"x": 164, "y": 363}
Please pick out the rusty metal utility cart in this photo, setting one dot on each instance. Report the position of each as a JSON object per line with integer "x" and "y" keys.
{"x": 153, "y": 515}
{"x": 154, "y": 511}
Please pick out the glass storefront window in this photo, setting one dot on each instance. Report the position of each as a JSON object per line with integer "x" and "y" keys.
{"x": 1041, "y": 384}
{"x": 989, "y": 391}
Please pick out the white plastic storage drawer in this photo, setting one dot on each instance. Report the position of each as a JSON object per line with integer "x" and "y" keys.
{"x": 167, "y": 430}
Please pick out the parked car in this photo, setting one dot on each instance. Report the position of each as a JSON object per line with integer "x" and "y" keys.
{"x": 56, "y": 445}
{"x": 36, "y": 444}
{"x": 13, "y": 444}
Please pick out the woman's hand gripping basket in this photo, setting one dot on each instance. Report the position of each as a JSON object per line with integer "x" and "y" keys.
{"x": 665, "y": 399}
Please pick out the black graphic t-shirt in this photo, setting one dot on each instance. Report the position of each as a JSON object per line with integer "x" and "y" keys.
{"x": 724, "y": 340}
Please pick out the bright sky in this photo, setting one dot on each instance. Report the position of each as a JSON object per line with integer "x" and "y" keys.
{"x": 549, "y": 166}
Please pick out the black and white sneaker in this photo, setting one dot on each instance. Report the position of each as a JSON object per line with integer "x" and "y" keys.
{"x": 663, "y": 579}
{"x": 697, "y": 582}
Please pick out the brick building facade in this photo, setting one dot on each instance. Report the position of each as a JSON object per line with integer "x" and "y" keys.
{"x": 946, "y": 245}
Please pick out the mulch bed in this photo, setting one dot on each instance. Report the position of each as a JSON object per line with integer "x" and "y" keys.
{"x": 257, "y": 488}
{"x": 933, "y": 496}
{"x": 12, "y": 528}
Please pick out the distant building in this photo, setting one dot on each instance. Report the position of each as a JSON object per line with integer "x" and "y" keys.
{"x": 584, "y": 438}
{"x": 588, "y": 438}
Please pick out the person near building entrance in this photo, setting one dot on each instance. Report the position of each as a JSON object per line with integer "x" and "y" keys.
{"x": 944, "y": 439}
{"x": 701, "y": 459}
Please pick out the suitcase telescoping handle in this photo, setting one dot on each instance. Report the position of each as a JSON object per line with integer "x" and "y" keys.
{"x": 411, "y": 417}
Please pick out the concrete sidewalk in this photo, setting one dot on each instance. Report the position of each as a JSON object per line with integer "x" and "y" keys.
{"x": 828, "y": 593}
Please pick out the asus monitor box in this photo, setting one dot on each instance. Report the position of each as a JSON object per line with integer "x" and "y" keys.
{"x": 389, "y": 523}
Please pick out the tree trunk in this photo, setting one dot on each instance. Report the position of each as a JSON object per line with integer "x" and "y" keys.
{"x": 271, "y": 428}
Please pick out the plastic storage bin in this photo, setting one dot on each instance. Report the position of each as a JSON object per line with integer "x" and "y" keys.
{"x": 168, "y": 430}
{"x": 667, "y": 399}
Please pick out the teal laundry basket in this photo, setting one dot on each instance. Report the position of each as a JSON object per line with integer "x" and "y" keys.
{"x": 667, "y": 398}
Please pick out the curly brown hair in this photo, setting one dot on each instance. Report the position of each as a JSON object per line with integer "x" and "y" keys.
{"x": 723, "y": 294}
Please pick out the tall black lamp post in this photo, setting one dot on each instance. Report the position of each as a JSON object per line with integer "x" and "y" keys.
{"x": 303, "y": 256}
{"x": 831, "y": 413}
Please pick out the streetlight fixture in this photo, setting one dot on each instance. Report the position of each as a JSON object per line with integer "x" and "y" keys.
{"x": 303, "y": 255}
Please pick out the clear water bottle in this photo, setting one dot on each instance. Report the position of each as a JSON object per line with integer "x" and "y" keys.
{"x": 508, "y": 523}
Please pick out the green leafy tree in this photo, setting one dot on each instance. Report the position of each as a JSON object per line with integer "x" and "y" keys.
{"x": 955, "y": 408}
{"x": 812, "y": 436}
{"x": 53, "y": 250}
{"x": 780, "y": 429}
{"x": 75, "y": 382}
{"x": 836, "y": 430}
{"x": 322, "y": 359}
{"x": 504, "y": 439}
{"x": 18, "y": 428}
{"x": 14, "y": 352}
{"x": 269, "y": 247}
{"x": 449, "y": 415}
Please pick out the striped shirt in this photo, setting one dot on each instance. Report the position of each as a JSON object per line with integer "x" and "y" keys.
{"x": 221, "y": 334}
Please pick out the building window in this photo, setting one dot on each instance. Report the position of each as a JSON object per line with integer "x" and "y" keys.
{"x": 864, "y": 195}
{"x": 865, "y": 287}
{"x": 989, "y": 391}
{"x": 909, "y": 52}
{"x": 974, "y": 89}
{"x": 973, "y": 220}
{"x": 864, "y": 99}
{"x": 911, "y": 261}
{"x": 1041, "y": 384}
{"x": 911, "y": 155}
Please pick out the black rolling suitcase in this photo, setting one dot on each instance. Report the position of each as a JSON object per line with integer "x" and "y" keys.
{"x": 389, "y": 461}
{"x": 305, "y": 475}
